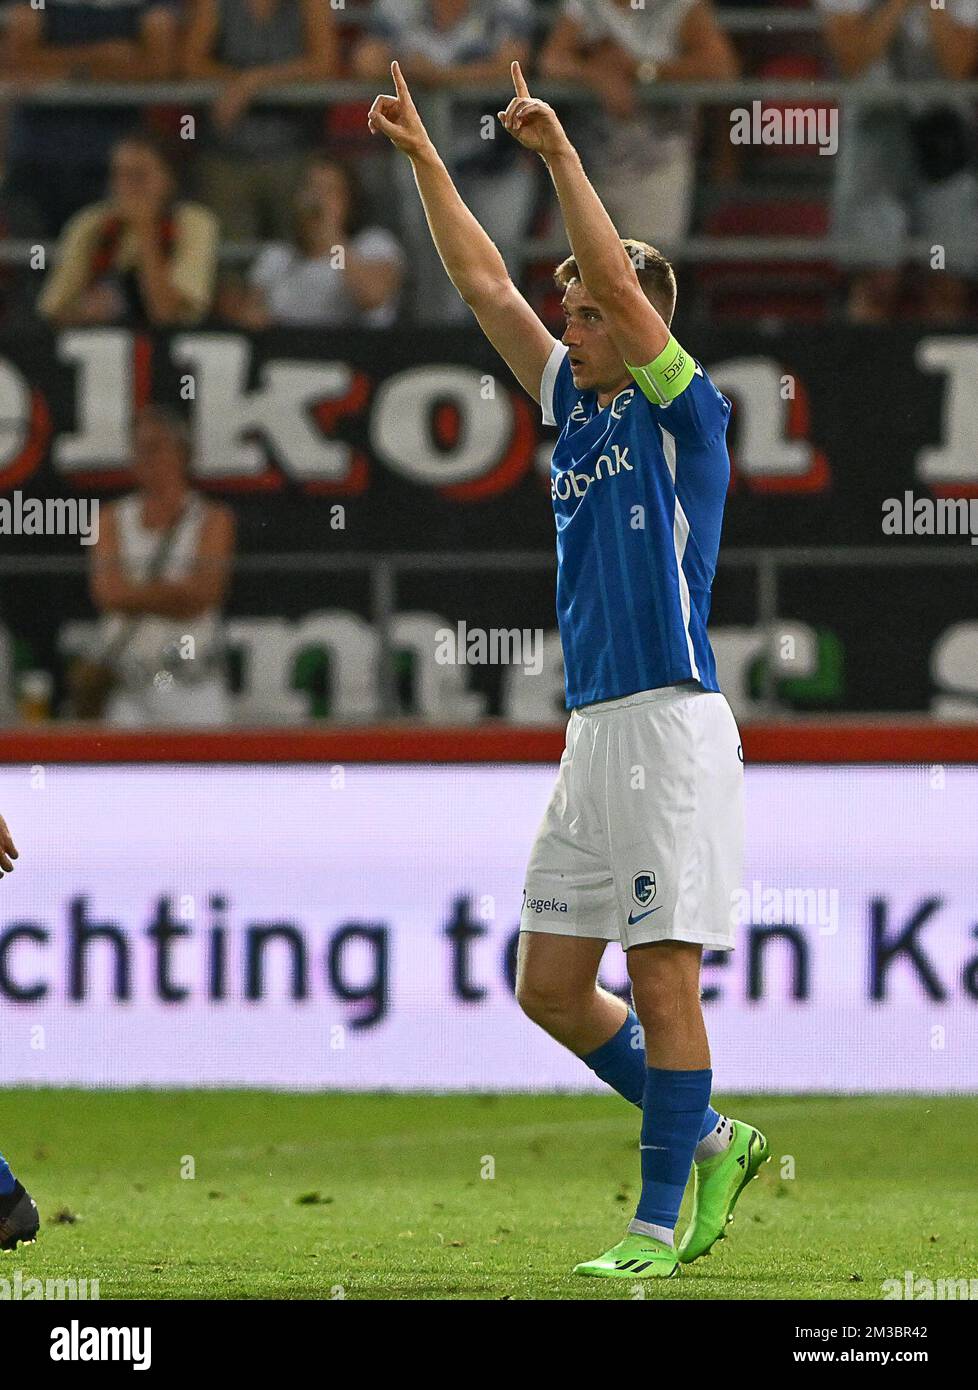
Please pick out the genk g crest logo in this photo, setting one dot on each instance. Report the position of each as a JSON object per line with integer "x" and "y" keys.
{"x": 643, "y": 888}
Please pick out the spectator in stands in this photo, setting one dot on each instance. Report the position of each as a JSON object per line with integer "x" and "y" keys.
{"x": 254, "y": 157}
{"x": 58, "y": 155}
{"x": 140, "y": 258}
{"x": 905, "y": 170}
{"x": 641, "y": 158}
{"x": 20, "y": 220}
{"x": 452, "y": 44}
{"x": 338, "y": 271}
{"x": 160, "y": 572}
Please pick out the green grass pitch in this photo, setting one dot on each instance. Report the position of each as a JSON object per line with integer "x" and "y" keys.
{"x": 468, "y": 1197}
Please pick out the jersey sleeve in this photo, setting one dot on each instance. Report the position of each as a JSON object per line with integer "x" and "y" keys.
{"x": 557, "y": 388}
{"x": 675, "y": 383}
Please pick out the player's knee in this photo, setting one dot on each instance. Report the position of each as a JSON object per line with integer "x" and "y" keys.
{"x": 659, "y": 1001}
{"x": 547, "y": 1003}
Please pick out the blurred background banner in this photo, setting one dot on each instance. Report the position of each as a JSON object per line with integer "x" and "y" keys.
{"x": 428, "y": 443}
{"x": 372, "y": 476}
{"x": 357, "y": 928}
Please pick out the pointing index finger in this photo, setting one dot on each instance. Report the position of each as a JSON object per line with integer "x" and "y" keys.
{"x": 519, "y": 81}
{"x": 400, "y": 85}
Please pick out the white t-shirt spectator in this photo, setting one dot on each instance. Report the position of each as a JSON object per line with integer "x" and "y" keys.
{"x": 480, "y": 31}
{"x": 313, "y": 291}
{"x": 650, "y": 34}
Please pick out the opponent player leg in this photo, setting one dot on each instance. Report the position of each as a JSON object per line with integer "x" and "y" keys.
{"x": 19, "y": 1220}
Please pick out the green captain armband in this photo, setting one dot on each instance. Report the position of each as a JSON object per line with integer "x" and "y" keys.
{"x": 668, "y": 376}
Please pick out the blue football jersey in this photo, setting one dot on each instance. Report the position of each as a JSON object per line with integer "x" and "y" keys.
{"x": 638, "y": 492}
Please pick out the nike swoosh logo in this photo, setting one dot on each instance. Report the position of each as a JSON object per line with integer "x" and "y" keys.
{"x": 661, "y": 1147}
{"x": 632, "y": 919}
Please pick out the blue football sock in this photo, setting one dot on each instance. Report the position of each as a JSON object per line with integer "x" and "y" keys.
{"x": 672, "y": 1119}
{"x": 710, "y": 1121}
{"x": 7, "y": 1180}
{"x": 620, "y": 1063}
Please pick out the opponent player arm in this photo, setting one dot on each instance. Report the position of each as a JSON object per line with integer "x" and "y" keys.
{"x": 470, "y": 257}
{"x": 7, "y": 850}
{"x": 633, "y": 323}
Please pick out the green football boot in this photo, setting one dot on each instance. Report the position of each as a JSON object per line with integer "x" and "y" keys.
{"x": 635, "y": 1257}
{"x": 717, "y": 1183}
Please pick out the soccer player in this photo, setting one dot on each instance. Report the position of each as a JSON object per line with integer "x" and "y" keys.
{"x": 18, "y": 1214}
{"x": 642, "y": 840}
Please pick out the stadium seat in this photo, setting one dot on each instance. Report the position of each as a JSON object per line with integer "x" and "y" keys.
{"x": 766, "y": 288}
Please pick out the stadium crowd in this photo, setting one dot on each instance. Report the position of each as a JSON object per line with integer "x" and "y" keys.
{"x": 259, "y": 214}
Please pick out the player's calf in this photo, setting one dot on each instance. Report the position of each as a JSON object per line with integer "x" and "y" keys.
{"x": 676, "y": 1097}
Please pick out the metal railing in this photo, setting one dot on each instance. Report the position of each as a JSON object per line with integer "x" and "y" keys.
{"x": 438, "y": 106}
{"x": 345, "y": 91}
{"x": 695, "y": 250}
{"x": 384, "y": 571}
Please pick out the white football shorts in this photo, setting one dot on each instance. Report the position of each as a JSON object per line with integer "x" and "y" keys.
{"x": 643, "y": 838}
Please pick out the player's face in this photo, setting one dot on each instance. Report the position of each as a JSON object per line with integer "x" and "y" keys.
{"x": 596, "y": 364}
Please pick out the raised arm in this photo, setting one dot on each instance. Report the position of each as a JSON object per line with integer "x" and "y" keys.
{"x": 472, "y": 261}
{"x": 634, "y": 324}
